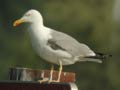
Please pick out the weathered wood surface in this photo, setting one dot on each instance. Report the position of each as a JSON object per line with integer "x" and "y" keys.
{"x": 32, "y": 85}
{"x": 27, "y": 74}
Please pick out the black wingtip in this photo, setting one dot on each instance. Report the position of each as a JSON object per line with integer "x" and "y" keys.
{"x": 100, "y": 56}
{"x": 103, "y": 56}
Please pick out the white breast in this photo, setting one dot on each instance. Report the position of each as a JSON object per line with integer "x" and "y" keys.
{"x": 39, "y": 38}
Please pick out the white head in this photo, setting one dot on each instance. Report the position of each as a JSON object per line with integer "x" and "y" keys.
{"x": 31, "y": 16}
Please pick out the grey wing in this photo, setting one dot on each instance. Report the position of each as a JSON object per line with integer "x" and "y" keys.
{"x": 69, "y": 44}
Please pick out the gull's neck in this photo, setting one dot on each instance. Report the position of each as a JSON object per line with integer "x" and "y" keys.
{"x": 37, "y": 25}
{"x": 39, "y": 31}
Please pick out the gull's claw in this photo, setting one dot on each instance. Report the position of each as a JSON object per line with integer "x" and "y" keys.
{"x": 52, "y": 81}
{"x": 44, "y": 80}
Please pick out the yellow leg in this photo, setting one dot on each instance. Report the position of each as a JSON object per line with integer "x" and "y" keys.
{"x": 59, "y": 74}
{"x": 60, "y": 71}
{"x": 51, "y": 73}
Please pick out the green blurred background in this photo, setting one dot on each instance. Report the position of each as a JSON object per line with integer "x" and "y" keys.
{"x": 89, "y": 21}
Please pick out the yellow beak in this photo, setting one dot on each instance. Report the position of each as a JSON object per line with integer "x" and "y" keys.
{"x": 18, "y": 22}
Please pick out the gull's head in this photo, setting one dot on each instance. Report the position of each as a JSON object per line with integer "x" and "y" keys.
{"x": 31, "y": 16}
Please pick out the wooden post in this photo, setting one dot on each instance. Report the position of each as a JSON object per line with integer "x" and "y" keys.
{"x": 27, "y": 74}
{"x": 32, "y": 85}
{"x": 27, "y": 79}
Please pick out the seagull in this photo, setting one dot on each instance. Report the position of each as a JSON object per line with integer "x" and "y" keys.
{"x": 54, "y": 46}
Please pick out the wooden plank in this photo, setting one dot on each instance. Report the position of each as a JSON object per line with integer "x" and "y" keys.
{"x": 27, "y": 74}
{"x": 22, "y": 85}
